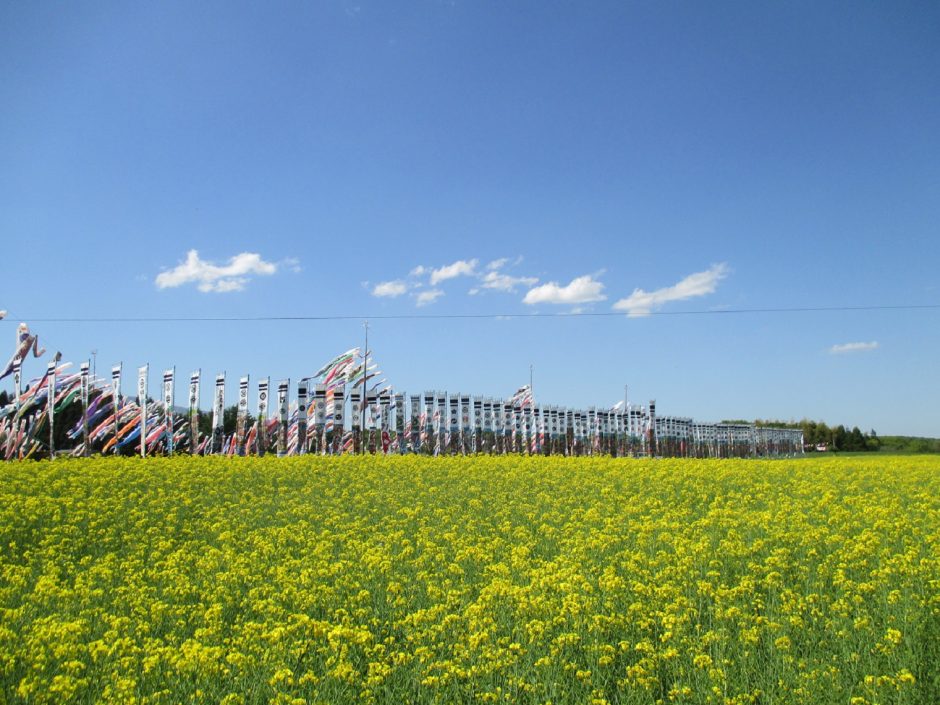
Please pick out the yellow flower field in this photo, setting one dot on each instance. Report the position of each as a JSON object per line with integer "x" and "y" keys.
{"x": 530, "y": 580}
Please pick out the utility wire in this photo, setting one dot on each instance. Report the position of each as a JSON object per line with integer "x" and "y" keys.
{"x": 444, "y": 316}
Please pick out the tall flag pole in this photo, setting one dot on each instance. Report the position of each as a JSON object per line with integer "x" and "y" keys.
{"x": 50, "y": 405}
{"x": 169, "y": 385}
{"x": 262, "y": 421}
{"x": 242, "y": 417}
{"x": 142, "y": 373}
{"x": 218, "y": 413}
{"x": 194, "y": 412}
{"x": 116, "y": 400}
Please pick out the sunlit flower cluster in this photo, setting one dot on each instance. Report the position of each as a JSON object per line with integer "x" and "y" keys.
{"x": 472, "y": 580}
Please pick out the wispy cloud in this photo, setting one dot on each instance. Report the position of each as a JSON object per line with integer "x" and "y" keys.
{"x": 642, "y": 303}
{"x": 852, "y": 347}
{"x": 581, "y": 290}
{"x": 390, "y": 289}
{"x": 457, "y": 269}
{"x": 498, "y": 281}
{"x": 219, "y": 279}
{"x": 490, "y": 277}
{"x": 425, "y": 298}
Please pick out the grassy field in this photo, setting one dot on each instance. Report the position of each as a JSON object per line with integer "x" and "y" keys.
{"x": 311, "y": 580}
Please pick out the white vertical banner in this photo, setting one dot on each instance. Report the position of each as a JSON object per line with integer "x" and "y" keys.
{"x": 477, "y": 405}
{"x": 142, "y": 373}
{"x": 116, "y": 399}
{"x": 283, "y": 388}
{"x": 385, "y": 439}
{"x": 319, "y": 410}
{"x": 652, "y": 427}
{"x": 427, "y": 423}
{"x": 355, "y": 408}
{"x": 262, "y": 421}
{"x": 439, "y": 421}
{"x": 400, "y": 422}
{"x": 218, "y": 413}
{"x": 169, "y": 389}
{"x": 84, "y": 395}
{"x": 302, "y": 417}
{"x": 194, "y": 411}
{"x": 50, "y": 405}
{"x": 241, "y": 418}
{"x": 465, "y": 422}
{"x": 17, "y": 382}
{"x": 414, "y": 440}
{"x": 371, "y": 400}
{"x": 453, "y": 424}
{"x": 339, "y": 406}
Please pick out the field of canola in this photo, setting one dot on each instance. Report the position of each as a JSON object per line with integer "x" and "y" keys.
{"x": 471, "y": 580}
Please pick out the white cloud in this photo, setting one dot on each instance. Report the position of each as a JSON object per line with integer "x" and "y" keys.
{"x": 209, "y": 277}
{"x": 852, "y": 347}
{"x": 642, "y": 303}
{"x": 390, "y": 289}
{"x": 223, "y": 286}
{"x": 581, "y": 290}
{"x": 428, "y": 297}
{"x": 458, "y": 268}
{"x": 418, "y": 271}
{"x": 497, "y": 264}
{"x": 505, "y": 282}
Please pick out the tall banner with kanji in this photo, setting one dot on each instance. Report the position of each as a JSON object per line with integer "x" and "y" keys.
{"x": 262, "y": 423}
{"x": 283, "y": 388}
{"x": 218, "y": 413}
{"x": 241, "y": 419}
{"x": 116, "y": 400}
{"x": 168, "y": 392}
{"x": 84, "y": 393}
{"x": 194, "y": 412}
{"x": 142, "y": 373}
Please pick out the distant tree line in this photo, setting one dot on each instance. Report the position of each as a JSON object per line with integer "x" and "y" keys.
{"x": 835, "y": 438}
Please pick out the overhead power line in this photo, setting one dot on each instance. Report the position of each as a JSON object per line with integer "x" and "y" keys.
{"x": 445, "y": 316}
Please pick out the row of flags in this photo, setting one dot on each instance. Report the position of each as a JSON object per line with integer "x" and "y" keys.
{"x": 326, "y": 418}
{"x": 344, "y": 407}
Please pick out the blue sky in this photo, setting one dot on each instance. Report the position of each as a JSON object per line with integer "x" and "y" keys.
{"x": 552, "y": 157}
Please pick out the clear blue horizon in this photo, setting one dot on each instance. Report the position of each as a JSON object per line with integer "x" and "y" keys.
{"x": 371, "y": 159}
